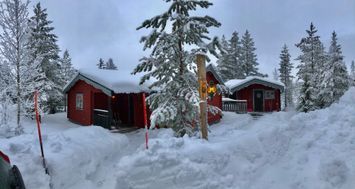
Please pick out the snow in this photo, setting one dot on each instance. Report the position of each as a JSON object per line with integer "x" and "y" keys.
{"x": 279, "y": 150}
{"x": 119, "y": 81}
{"x": 224, "y": 99}
{"x": 237, "y": 82}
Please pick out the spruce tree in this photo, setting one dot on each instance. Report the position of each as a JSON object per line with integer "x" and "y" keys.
{"x": 101, "y": 64}
{"x": 67, "y": 71}
{"x": 13, "y": 45}
{"x": 335, "y": 80}
{"x": 229, "y": 59}
{"x": 110, "y": 65}
{"x": 352, "y": 73}
{"x": 285, "y": 75}
{"x": 248, "y": 57}
{"x": 223, "y": 62}
{"x": 6, "y": 86}
{"x": 43, "y": 43}
{"x": 310, "y": 71}
{"x": 175, "y": 104}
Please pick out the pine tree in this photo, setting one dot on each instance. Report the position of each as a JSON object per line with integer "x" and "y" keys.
{"x": 67, "y": 71}
{"x": 248, "y": 57}
{"x": 352, "y": 73}
{"x": 13, "y": 45}
{"x": 285, "y": 75}
{"x": 310, "y": 71}
{"x": 110, "y": 65}
{"x": 229, "y": 59}
{"x": 101, "y": 64}
{"x": 43, "y": 43}
{"x": 224, "y": 64}
{"x": 6, "y": 85}
{"x": 175, "y": 105}
{"x": 335, "y": 80}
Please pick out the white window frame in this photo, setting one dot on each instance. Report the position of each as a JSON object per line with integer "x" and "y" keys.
{"x": 269, "y": 94}
{"x": 79, "y": 101}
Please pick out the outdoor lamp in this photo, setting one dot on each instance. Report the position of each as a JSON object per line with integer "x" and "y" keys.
{"x": 211, "y": 90}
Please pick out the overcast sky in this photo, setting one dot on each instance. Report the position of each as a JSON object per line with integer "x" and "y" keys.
{"x": 91, "y": 29}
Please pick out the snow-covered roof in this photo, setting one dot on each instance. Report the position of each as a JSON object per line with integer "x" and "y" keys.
{"x": 211, "y": 68}
{"x": 110, "y": 81}
{"x": 237, "y": 84}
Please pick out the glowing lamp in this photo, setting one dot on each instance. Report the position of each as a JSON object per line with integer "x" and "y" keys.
{"x": 212, "y": 89}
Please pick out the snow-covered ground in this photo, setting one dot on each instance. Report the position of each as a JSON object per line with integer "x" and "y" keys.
{"x": 280, "y": 150}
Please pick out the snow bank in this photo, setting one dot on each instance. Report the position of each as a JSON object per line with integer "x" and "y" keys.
{"x": 281, "y": 150}
{"x": 74, "y": 156}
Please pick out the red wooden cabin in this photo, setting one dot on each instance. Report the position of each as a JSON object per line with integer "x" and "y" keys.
{"x": 111, "y": 97}
{"x": 261, "y": 94}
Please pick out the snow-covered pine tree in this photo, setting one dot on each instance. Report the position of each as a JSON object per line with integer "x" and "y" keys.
{"x": 285, "y": 75}
{"x": 352, "y": 73}
{"x": 34, "y": 78}
{"x": 110, "y": 65}
{"x": 13, "y": 46}
{"x": 229, "y": 59}
{"x": 43, "y": 43}
{"x": 335, "y": 80}
{"x": 248, "y": 57}
{"x": 224, "y": 63}
{"x": 310, "y": 71}
{"x": 67, "y": 71}
{"x": 6, "y": 86}
{"x": 101, "y": 64}
{"x": 175, "y": 104}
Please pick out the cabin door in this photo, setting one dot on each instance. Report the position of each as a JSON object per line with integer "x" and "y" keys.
{"x": 258, "y": 101}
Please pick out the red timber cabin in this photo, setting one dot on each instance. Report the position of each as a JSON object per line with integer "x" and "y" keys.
{"x": 261, "y": 94}
{"x": 114, "y": 98}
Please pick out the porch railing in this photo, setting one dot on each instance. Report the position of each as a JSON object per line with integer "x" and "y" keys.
{"x": 231, "y": 105}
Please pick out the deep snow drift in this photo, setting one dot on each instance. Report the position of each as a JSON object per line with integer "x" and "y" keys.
{"x": 279, "y": 150}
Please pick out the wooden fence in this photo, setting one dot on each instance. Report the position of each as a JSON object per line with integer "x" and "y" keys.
{"x": 231, "y": 105}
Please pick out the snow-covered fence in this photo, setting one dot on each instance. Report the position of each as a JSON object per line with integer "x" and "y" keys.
{"x": 231, "y": 105}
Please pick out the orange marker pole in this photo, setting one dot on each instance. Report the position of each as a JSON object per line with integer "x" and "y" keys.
{"x": 145, "y": 121}
{"x": 39, "y": 132}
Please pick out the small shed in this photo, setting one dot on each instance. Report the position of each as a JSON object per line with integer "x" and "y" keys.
{"x": 261, "y": 94}
{"x": 106, "y": 98}
{"x": 115, "y": 98}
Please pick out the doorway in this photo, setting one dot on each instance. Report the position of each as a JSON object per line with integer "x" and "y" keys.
{"x": 258, "y": 100}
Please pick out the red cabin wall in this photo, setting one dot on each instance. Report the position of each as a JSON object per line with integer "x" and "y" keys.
{"x": 84, "y": 116}
{"x": 215, "y": 100}
{"x": 95, "y": 99}
{"x": 269, "y": 104}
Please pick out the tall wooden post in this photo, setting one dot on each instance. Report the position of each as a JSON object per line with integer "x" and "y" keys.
{"x": 201, "y": 69}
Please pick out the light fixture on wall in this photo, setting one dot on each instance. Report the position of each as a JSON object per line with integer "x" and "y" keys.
{"x": 212, "y": 89}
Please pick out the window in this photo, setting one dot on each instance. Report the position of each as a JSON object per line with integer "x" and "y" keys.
{"x": 269, "y": 95}
{"x": 79, "y": 101}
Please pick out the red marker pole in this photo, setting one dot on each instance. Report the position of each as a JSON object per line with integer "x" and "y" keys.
{"x": 145, "y": 121}
{"x": 39, "y": 131}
